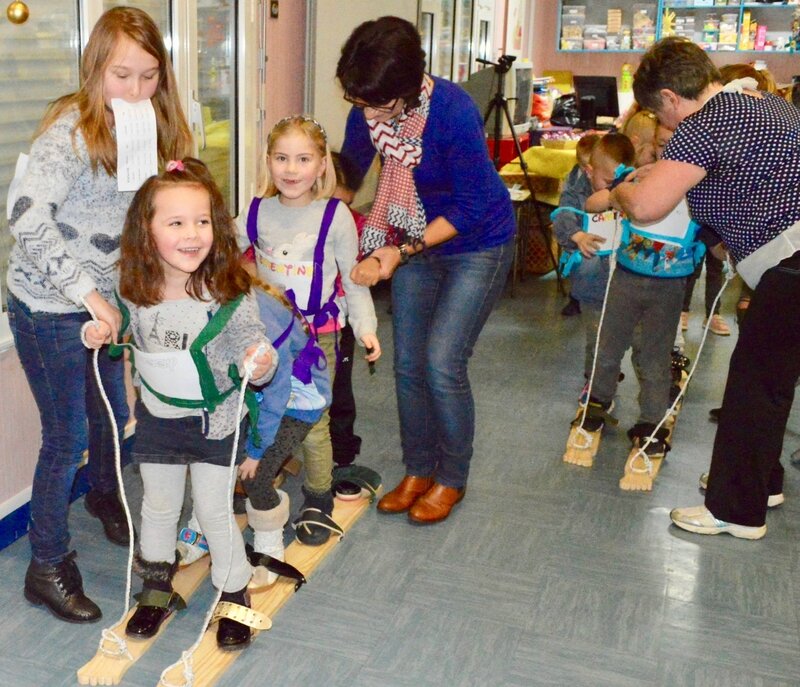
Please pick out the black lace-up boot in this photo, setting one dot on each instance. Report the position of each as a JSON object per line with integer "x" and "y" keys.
{"x": 59, "y": 587}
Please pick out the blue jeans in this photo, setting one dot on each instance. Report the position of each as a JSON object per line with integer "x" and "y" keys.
{"x": 439, "y": 305}
{"x": 61, "y": 376}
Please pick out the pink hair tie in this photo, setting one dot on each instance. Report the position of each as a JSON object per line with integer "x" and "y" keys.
{"x": 175, "y": 165}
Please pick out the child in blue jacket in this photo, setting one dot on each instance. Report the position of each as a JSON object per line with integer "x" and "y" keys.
{"x": 288, "y": 407}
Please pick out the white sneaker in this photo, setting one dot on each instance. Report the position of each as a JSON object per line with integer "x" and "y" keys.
{"x": 191, "y": 546}
{"x": 700, "y": 520}
{"x": 773, "y": 500}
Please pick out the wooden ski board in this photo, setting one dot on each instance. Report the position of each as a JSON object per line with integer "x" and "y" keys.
{"x": 577, "y": 453}
{"x": 209, "y": 662}
{"x": 643, "y": 481}
{"x": 109, "y": 670}
{"x": 639, "y": 481}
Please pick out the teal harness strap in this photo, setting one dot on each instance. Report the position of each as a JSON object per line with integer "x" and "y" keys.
{"x": 569, "y": 261}
{"x": 212, "y": 396}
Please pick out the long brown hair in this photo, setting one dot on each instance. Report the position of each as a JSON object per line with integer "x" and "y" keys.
{"x": 141, "y": 274}
{"x": 174, "y": 135}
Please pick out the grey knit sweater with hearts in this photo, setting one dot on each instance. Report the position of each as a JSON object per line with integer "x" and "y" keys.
{"x": 67, "y": 222}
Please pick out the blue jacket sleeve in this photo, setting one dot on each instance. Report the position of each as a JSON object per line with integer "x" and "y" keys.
{"x": 461, "y": 155}
{"x": 574, "y": 194}
{"x": 272, "y": 398}
{"x": 357, "y": 148}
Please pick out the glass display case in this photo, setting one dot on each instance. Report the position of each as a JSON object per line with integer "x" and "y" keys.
{"x": 463, "y": 42}
{"x": 40, "y": 63}
{"x": 216, "y": 89}
{"x": 716, "y": 25}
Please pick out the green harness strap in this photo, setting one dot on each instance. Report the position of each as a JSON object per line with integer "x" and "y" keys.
{"x": 212, "y": 396}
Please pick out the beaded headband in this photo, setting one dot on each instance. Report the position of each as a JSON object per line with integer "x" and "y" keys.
{"x": 303, "y": 118}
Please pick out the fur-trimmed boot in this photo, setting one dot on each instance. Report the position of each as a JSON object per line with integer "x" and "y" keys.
{"x": 157, "y": 599}
{"x": 268, "y": 531}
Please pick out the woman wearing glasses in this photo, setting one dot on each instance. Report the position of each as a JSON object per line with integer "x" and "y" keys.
{"x": 442, "y": 227}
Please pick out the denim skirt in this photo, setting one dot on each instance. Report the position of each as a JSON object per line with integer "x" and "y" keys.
{"x": 180, "y": 441}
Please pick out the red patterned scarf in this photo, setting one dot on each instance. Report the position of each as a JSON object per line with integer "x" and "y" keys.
{"x": 397, "y": 212}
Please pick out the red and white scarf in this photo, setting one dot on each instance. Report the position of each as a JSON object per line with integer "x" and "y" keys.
{"x": 397, "y": 212}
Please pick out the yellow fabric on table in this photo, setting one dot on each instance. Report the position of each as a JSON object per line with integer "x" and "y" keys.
{"x": 547, "y": 167}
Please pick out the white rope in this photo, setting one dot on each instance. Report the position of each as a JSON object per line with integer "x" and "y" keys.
{"x": 612, "y": 264}
{"x": 108, "y": 635}
{"x": 186, "y": 657}
{"x": 648, "y": 465}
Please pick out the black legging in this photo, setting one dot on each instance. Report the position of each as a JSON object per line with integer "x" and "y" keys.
{"x": 260, "y": 491}
{"x": 713, "y": 283}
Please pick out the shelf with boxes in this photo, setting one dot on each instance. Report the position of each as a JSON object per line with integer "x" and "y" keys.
{"x": 732, "y": 25}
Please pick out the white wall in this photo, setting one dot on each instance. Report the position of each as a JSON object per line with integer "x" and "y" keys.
{"x": 329, "y": 25}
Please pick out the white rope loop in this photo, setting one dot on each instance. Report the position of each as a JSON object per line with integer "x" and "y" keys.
{"x": 648, "y": 466}
{"x": 612, "y": 264}
{"x": 108, "y": 635}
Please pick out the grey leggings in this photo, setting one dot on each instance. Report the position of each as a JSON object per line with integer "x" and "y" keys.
{"x": 164, "y": 487}
{"x": 289, "y": 436}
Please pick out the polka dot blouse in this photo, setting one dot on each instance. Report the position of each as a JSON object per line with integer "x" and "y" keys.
{"x": 750, "y": 149}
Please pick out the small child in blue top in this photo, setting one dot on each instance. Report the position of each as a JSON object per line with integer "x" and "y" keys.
{"x": 289, "y": 406}
{"x": 589, "y": 273}
{"x": 645, "y": 296}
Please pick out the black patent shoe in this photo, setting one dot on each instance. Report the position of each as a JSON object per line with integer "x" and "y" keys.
{"x": 108, "y": 509}
{"x": 59, "y": 587}
{"x": 155, "y": 606}
{"x": 233, "y": 635}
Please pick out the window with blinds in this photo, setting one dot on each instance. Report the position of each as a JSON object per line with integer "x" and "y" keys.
{"x": 40, "y": 61}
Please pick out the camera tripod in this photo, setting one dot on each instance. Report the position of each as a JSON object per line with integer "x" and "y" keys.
{"x": 498, "y": 106}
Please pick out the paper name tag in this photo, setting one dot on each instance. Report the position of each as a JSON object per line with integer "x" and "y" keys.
{"x": 674, "y": 228}
{"x": 605, "y": 224}
{"x": 137, "y": 143}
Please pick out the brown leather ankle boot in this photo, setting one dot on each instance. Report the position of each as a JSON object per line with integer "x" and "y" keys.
{"x": 403, "y": 496}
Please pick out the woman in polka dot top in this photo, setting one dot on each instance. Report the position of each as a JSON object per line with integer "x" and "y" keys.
{"x": 735, "y": 155}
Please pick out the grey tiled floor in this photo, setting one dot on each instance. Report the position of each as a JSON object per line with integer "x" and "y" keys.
{"x": 547, "y": 574}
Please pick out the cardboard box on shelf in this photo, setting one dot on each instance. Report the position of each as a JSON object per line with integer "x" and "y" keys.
{"x": 614, "y": 20}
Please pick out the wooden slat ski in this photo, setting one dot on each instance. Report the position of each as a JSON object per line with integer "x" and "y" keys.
{"x": 636, "y": 476}
{"x": 109, "y": 670}
{"x": 208, "y": 661}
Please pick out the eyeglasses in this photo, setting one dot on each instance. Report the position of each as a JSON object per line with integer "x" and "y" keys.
{"x": 382, "y": 109}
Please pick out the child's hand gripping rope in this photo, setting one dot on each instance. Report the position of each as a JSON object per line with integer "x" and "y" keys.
{"x": 257, "y": 361}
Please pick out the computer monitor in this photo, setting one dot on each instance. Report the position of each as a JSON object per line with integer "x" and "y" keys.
{"x": 603, "y": 89}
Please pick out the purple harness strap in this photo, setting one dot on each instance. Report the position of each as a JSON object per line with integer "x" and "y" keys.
{"x": 318, "y": 312}
{"x": 311, "y": 355}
